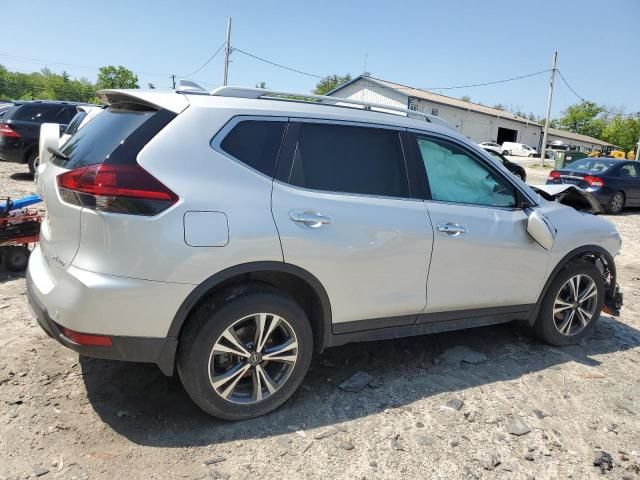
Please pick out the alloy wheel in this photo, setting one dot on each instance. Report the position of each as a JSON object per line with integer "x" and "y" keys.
{"x": 575, "y": 304}
{"x": 253, "y": 358}
{"x": 616, "y": 203}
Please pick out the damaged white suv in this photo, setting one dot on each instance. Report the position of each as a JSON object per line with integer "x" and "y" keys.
{"x": 230, "y": 235}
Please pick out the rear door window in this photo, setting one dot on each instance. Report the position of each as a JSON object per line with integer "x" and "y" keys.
{"x": 345, "y": 159}
{"x": 255, "y": 143}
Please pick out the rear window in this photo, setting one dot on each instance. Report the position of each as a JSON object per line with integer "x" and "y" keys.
{"x": 594, "y": 165}
{"x": 256, "y": 143}
{"x": 114, "y": 130}
{"x": 41, "y": 113}
{"x": 74, "y": 125}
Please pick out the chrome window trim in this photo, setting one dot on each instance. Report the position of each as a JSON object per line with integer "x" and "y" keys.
{"x": 484, "y": 161}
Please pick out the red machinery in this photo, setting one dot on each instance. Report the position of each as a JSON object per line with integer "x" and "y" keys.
{"x": 19, "y": 228}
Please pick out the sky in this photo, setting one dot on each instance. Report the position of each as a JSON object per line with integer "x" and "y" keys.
{"x": 425, "y": 44}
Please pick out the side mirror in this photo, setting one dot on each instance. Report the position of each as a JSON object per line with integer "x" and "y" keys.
{"x": 541, "y": 230}
{"x": 49, "y": 137}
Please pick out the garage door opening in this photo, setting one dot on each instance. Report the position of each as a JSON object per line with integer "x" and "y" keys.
{"x": 506, "y": 135}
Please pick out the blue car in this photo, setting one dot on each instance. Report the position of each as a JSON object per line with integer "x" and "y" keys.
{"x": 615, "y": 183}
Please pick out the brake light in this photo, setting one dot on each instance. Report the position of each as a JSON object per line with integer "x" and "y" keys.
{"x": 554, "y": 174}
{"x": 7, "y": 131}
{"x": 116, "y": 188}
{"x": 594, "y": 181}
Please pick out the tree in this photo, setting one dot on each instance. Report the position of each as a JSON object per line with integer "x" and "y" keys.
{"x": 465, "y": 98}
{"x": 330, "y": 82}
{"x": 116, "y": 77}
{"x": 151, "y": 86}
{"x": 582, "y": 118}
{"x": 262, "y": 85}
{"x": 500, "y": 106}
{"x": 623, "y": 132}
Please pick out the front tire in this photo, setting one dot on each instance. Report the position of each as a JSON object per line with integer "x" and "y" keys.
{"x": 572, "y": 305}
{"x": 505, "y": 152}
{"x": 242, "y": 355}
{"x": 615, "y": 204}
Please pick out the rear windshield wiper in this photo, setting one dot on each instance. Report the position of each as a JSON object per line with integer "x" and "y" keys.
{"x": 57, "y": 153}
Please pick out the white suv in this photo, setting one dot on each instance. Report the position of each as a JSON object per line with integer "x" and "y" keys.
{"x": 234, "y": 234}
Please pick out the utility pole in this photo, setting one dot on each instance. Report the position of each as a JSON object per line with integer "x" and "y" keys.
{"x": 173, "y": 80}
{"x": 543, "y": 148}
{"x": 227, "y": 52}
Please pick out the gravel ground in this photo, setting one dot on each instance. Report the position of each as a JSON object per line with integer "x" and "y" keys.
{"x": 485, "y": 403}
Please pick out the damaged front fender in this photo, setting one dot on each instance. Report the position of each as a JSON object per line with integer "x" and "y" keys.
{"x": 571, "y": 196}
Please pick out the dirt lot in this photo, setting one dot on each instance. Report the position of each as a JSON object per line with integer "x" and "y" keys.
{"x": 484, "y": 403}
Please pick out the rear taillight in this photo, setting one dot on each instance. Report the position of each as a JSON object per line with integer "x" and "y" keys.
{"x": 594, "y": 181}
{"x": 554, "y": 174}
{"x": 7, "y": 131}
{"x": 115, "y": 188}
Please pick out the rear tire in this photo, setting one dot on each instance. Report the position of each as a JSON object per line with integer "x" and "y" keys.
{"x": 560, "y": 322}
{"x": 615, "y": 204}
{"x": 31, "y": 162}
{"x": 206, "y": 366}
{"x": 505, "y": 152}
{"x": 16, "y": 259}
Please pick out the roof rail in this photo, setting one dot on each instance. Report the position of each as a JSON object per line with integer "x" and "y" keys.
{"x": 255, "y": 93}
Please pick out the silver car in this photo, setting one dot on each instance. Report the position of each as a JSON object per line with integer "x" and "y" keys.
{"x": 232, "y": 234}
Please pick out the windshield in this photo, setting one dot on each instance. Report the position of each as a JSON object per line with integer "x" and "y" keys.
{"x": 595, "y": 165}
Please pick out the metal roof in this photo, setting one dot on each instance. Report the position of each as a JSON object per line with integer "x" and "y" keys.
{"x": 556, "y": 132}
{"x": 435, "y": 98}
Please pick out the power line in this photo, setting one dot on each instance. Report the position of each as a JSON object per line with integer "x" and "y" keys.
{"x": 488, "y": 83}
{"x": 585, "y": 100}
{"x": 205, "y": 63}
{"x": 279, "y": 65}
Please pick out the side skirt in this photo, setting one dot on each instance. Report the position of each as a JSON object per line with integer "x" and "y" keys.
{"x": 383, "y": 329}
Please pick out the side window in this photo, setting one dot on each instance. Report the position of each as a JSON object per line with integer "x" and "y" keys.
{"x": 347, "y": 159}
{"x": 454, "y": 176}
{"x": 628, "y": 171}
{"x": 255, "y": 143}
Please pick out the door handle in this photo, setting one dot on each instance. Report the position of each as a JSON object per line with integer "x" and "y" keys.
{"x": 309, "y": 218}
{"x": 451, "y": 229}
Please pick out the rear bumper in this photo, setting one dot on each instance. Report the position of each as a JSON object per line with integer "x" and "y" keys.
{"x": 134, "y": 314}
{"x": 160, "y": 351}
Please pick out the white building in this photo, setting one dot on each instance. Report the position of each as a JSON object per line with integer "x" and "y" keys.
{"x": 583, "y": 143}
{"x": 477, "y": 122}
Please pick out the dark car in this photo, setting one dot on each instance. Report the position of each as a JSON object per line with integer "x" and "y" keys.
{"x": 615, "y": 183}
{"x": 20, "y": 128}
{"x": 514, "y": 168}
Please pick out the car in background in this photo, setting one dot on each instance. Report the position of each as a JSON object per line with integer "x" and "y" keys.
{"x": 518, "y": 149}
{"x": 85, "y": 114}
{"x": 496, "y": 147}
{"x": 514, "y": 168}
{"x": 615, "y": 183}
{"x": 20, "y": 128}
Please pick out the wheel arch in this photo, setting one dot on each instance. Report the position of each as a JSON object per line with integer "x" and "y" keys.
{"x": 583, "y": 252}
{"x": 303, "y": 286}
